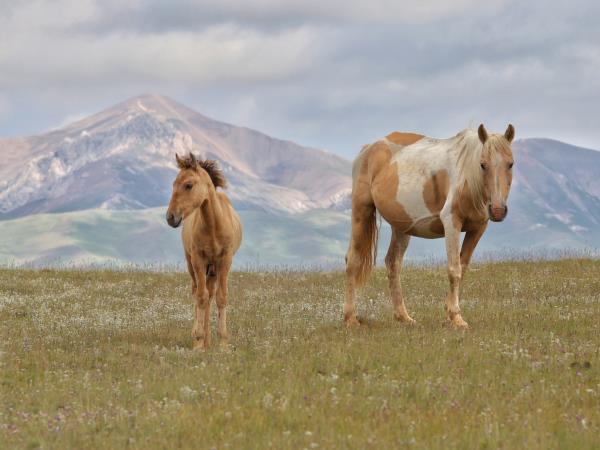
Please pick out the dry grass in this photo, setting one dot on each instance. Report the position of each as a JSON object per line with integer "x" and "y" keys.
{"x": 102, "y": 360}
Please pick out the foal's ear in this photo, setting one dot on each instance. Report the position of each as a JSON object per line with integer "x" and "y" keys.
{"x": 509, "y": 134}
{"x": 180, "y": 163}
{"x": 483, "y": 134}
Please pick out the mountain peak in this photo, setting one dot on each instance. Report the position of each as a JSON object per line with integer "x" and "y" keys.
{"x": 158, "y": 106}
{"x": 153, "y": 103}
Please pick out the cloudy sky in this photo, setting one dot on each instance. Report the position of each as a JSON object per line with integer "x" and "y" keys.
{"x": 329, "y": 74}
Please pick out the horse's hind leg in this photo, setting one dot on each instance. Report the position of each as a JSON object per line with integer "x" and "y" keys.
{"x": 359, "y": 258}
{"x": 393, "y": 263}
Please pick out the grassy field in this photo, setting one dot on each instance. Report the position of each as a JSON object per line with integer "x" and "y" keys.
{"x": 103, "y": 360}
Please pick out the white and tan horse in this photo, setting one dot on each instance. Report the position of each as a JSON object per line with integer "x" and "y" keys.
{"x": 429, "y": 188}
{"x": 211, "y": 235}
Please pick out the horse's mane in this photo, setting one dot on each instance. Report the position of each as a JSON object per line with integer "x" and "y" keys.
{"x": 210, "y": 165}
{"x": 470, "y": 152}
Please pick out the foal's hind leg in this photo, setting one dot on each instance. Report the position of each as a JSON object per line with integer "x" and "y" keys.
{"x": 393, "y": 262}
{"x": 222, "y": 296}
{"x": 211, "y": 286}
{"x": 202, "y": 303}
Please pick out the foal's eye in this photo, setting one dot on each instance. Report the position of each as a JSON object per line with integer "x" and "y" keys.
{"x": 188, "y": 186}
{"x": 510, "y": 165}
{"x": 483, "y": 166}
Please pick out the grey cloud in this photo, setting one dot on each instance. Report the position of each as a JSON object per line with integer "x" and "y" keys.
{"x": 160, "y": 16}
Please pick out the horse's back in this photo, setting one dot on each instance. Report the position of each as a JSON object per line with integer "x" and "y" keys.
{"x": 376, "y": 157}
{"x": 405, "y": 176}
{"x": 403, "y": 138}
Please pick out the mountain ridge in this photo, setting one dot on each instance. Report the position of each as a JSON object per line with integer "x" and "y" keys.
{"x": 149, "y": 130}
{"x": 122, "y": 159}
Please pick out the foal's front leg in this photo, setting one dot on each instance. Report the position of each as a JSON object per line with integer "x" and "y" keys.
{"x": 202, "y": 303}
{"x": 452, "y": 232}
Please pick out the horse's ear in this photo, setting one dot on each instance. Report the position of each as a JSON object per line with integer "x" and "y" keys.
{"x": 192, "y": 160}
{"x": 482, "y": 132}
{"x": 179, "y": 161}
{"x": 509, "y": 134}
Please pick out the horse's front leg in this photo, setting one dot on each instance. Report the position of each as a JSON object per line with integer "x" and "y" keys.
{"x": 202, "y": 303}
{"x": 452, "y": 232}
{"x": 468, "y": 247}
{"x": 393, "y": 262}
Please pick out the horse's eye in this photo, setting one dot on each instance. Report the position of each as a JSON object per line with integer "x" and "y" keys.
{"x": 510, "y": 165}
{"x": 483, "y": 166}
{"x": 188, "y": 186}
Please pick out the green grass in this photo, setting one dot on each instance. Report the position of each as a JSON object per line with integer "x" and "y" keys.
{"x": 103, "y": 360}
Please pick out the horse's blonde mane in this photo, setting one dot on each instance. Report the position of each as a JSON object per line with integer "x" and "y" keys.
{"x": 470, "y": 153}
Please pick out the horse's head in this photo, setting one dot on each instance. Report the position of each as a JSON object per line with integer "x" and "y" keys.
{"x": 192, "y": 187}
{"x": 496, "y": 170}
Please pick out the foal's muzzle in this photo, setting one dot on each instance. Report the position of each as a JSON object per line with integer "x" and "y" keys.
{"x": 498, "y": 214}
{"x": 173, "y": 219}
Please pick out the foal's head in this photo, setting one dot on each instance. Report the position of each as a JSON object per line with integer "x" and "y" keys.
{"x": 194, "y": 182}
{"x": 496, "y": 170}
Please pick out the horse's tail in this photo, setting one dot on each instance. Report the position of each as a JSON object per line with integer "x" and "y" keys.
{"x": 367, "y": 247}
{"x": 363, "y": 246}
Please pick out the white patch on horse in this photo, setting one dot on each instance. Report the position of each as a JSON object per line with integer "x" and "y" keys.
{"x": 415, "y": 165}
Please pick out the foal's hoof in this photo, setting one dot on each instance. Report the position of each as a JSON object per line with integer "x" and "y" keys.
{"x": 405, "y": 319}
{"x": 199, "y": 344}
{"x": 352, "y": 321}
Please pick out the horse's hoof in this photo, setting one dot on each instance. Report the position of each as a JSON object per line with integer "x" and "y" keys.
{"x": 458, "y": 323}
{"x": 405, "y": 319}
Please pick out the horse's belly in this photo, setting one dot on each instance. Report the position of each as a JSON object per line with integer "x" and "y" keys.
{"x": 428, "y": 228}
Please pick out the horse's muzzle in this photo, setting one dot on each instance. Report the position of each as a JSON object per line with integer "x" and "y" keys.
{"x": 173, "y": 220}
{"x": 498, "y": 214}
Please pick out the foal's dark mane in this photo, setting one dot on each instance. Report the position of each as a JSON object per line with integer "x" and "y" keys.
{"x": 209, "y": 165}
{"x": 216, "y": 175}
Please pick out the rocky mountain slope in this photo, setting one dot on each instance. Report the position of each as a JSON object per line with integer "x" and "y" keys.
{"x": 123, "y": 158}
